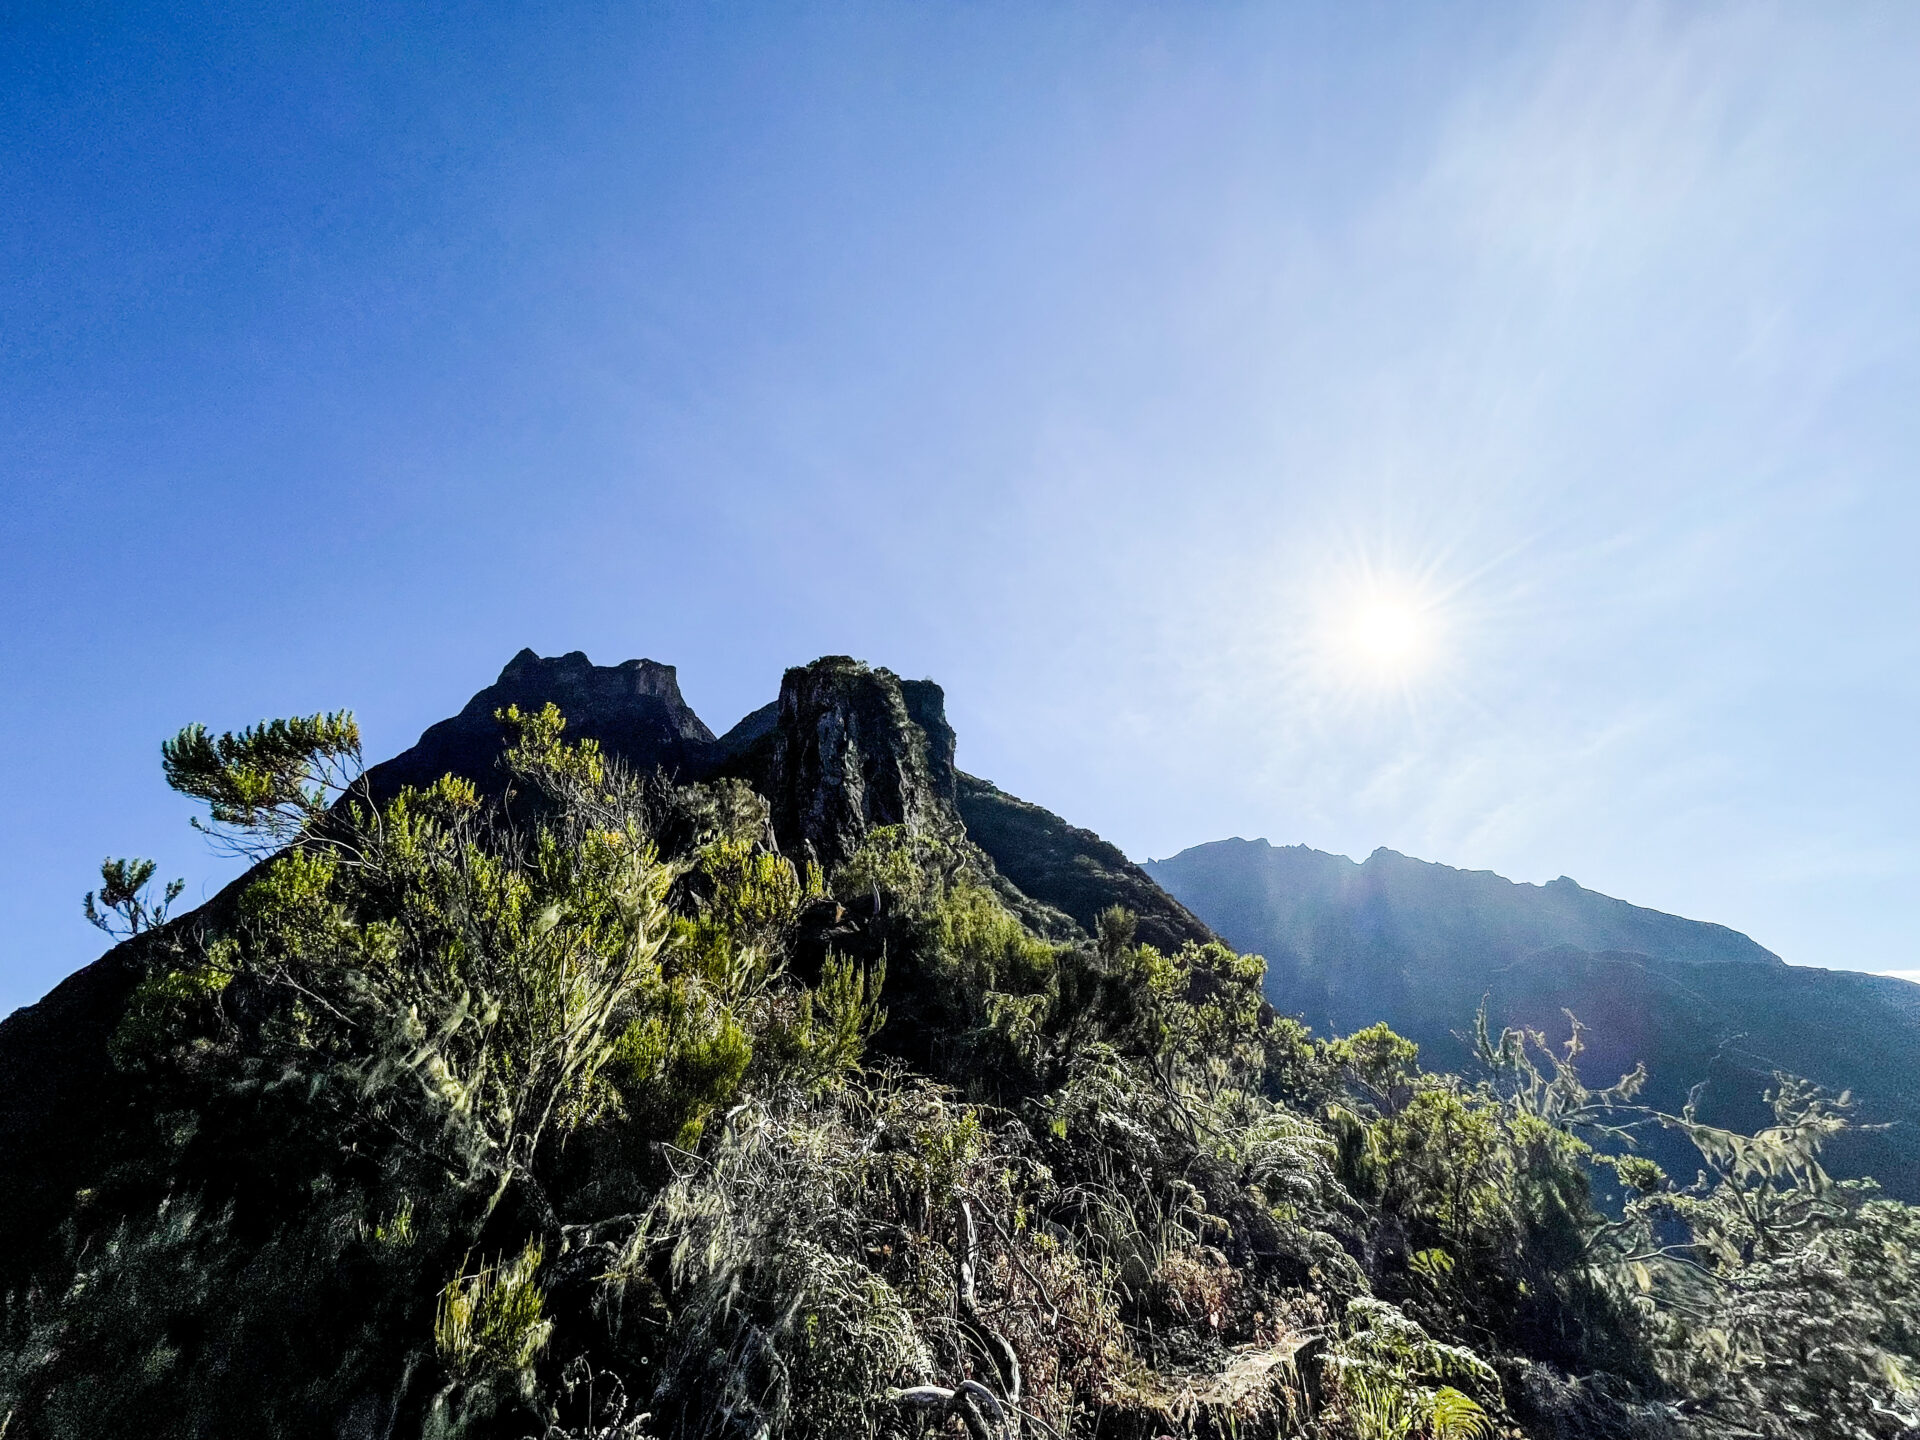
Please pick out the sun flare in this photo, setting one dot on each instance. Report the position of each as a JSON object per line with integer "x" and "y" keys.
{"x": 1382, "y": 635}
{"x": 1389, "y": 635}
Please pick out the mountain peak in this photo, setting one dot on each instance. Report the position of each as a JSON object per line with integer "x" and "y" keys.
{"x": 850, "y": 753}
{"x": 596, "y": 690}
{"x": 845, "y": 746}
{"x": 633, "y": 709}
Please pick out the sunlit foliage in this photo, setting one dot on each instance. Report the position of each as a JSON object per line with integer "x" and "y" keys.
{"x": 587, "y": 1113}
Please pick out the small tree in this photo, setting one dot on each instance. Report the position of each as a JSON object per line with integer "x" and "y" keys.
{"x": 118, "y": 907}
{"x": 268, "y": 784}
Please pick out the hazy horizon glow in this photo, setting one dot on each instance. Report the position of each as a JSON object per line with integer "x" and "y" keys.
{"x": 1482, "y": 431}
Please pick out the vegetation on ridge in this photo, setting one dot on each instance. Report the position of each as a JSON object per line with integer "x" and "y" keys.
{"x": 586, "y": 1114}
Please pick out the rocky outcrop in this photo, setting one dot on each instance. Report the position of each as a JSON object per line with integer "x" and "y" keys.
{"x": 634, "y": 710}
{"x": 849, "y": 754}
{"x": 845, "y": 747}
{"x": 927, "y": 705}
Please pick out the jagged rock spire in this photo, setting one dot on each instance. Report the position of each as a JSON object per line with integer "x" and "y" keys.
{"x": 850, "y": 754}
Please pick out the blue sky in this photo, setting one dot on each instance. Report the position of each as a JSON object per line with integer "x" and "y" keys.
{"x": 1103, "y": 362}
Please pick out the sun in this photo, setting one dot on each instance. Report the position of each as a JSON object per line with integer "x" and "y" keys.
{"x": 1384, "y": 636}
{"x": 1389, "y": 635}
{"x": 1379, "y": 630}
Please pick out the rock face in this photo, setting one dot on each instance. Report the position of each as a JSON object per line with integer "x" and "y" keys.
{"x": 849, "y": 755}
{"x": 927, "y": 706}
{"x": 634, "y": 710}
{"x": 845, "y": 747}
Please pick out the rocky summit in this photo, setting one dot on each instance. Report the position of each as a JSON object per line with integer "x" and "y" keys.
{"x": 633, "y": 710}
{"x": 846, "y": 746}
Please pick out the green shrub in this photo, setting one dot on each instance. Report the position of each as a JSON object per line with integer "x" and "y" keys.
{"x": 779, "y": 1154}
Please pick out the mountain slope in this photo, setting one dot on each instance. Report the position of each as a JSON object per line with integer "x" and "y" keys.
{"x": 1072, "y": 868}
{"x": 1418, "y": 945}
{"x": 844, "y": 747}
{"x": 1429, "y": 914}
{"x": 599, "y": 1102}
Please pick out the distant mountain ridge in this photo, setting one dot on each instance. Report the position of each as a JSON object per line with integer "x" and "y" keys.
{"x": 1420, "y": 945}
{"x": 1287, "y": 893}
